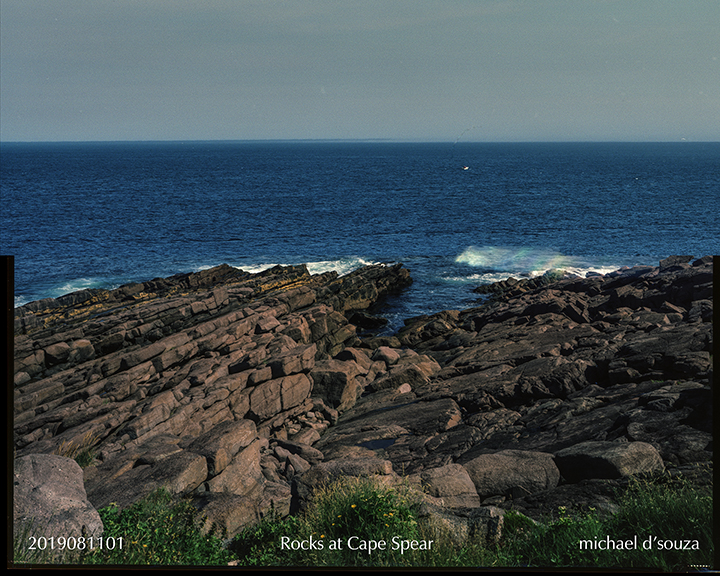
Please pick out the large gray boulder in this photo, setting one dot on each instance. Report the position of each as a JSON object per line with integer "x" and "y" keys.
{"x": 49, "y": 498}
{"x": 512, "y": 473}
{"x": 602, "y": 459}
{"x": 451, "y": 485}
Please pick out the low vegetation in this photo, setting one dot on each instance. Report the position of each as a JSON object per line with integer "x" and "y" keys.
{"x": 350, "y": 523}
{"x": 83, "y": 452}
{"x": 663, "y": 523}
{"x": 157, "y": 532}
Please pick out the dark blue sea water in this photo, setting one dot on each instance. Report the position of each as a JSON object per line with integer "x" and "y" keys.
{"x": 78, "y": 215}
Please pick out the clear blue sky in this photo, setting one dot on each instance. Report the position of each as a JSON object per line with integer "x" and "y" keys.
{"x": 483, "y": 70}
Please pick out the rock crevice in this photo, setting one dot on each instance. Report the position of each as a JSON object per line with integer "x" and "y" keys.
{"x": 246, "y": 391}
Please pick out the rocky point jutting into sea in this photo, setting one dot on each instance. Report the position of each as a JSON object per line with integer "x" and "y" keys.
{"x": 246, "y": 391}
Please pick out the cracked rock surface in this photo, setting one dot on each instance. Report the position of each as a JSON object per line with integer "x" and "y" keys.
{"x": 246, "y": 391}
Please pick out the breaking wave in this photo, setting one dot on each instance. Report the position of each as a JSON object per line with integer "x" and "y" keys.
{"x": 494, "y": 263}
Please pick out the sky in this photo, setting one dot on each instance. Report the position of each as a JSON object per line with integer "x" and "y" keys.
{"x": 417, "y": 70}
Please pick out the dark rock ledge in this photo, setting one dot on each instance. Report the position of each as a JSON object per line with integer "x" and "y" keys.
{"x": 248, "y": 391}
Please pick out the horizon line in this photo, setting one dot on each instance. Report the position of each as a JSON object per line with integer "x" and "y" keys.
{"x": 355, "y": 140}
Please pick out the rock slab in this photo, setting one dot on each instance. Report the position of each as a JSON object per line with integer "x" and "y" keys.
{"x": 49, "y": 496}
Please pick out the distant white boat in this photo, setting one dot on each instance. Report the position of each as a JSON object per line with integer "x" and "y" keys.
{"x": 466, "y": 167}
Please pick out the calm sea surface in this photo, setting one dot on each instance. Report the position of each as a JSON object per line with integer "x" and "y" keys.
{"x": 79, "y": 215}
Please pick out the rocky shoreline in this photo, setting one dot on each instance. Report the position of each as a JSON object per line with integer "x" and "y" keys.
{"x": 246, "y": 391}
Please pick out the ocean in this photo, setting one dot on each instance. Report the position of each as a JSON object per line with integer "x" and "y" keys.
{"x": 457, "y": 215}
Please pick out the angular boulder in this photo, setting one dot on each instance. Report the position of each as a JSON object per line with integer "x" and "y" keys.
{"x": 452, "y": 485}
{"x": 137, "y": 472}
{"x": 335, "y": 382}
{"x": 49, "y": 497}
{"x": 512, "y": 473}
{"x": 602, "y": 459}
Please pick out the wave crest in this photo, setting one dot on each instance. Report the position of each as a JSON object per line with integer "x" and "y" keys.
{"x": 514, "y": 259}
{"x": 342, "y": 266}
{"x": 498, "y": 263}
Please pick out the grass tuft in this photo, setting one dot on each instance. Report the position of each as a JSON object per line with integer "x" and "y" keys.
{"x": 83, "y": 454}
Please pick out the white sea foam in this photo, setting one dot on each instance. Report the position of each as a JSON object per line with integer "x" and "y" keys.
{"x": 78, "y": 284}
{"x": 501, "y": 263}
{"x": 514, "y": 259}
{"x": 342, "y": 266}
{"x": 69, "y": 287}
{"x": 254, "y": 268}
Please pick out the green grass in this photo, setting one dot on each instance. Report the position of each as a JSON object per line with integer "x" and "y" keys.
{"x": 655, "y": 518}
{"x": 158, "y": 531}
{"x": 358, "y": 522}
{"x": 351, "y": 522}
{"x": 668, "y": 510}
{"x": 30, "y": 547}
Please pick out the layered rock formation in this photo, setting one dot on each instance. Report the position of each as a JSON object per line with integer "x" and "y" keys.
{"x": 180, "y": 382}
{"x": 248, "y": 391}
